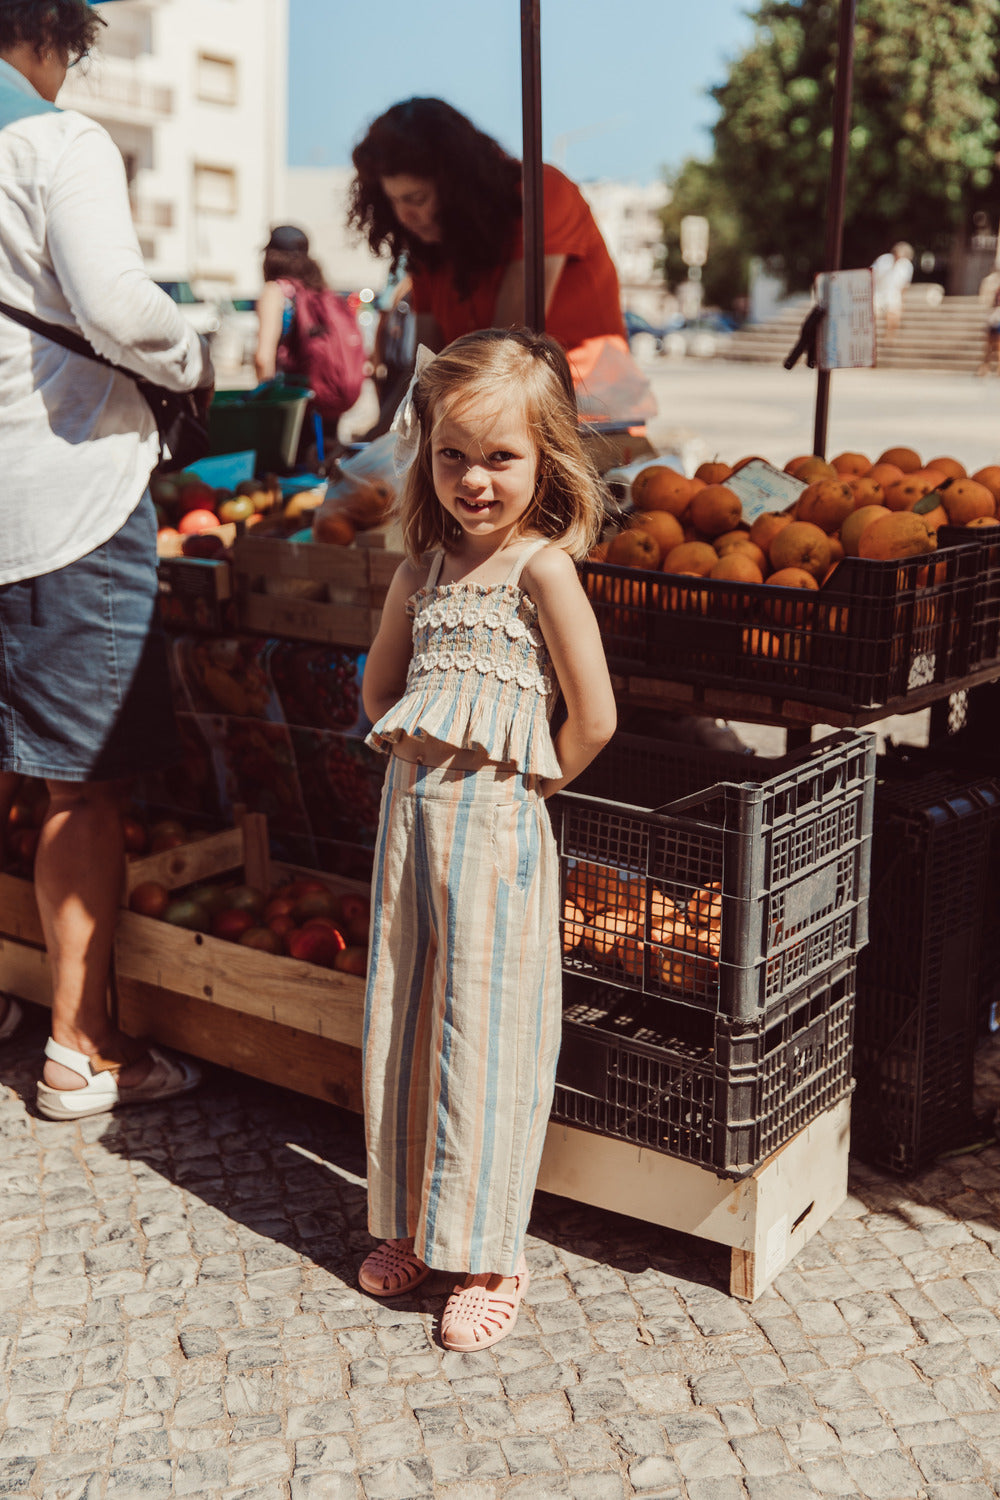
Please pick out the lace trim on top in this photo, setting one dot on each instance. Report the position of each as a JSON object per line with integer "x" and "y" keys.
{"x": 478, "y": 655}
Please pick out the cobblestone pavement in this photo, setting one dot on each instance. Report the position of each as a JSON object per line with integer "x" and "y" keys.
{"x": 179, "y": 1316}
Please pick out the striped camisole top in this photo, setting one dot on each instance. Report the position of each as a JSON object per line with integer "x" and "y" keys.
{"x": 480, "y": 677}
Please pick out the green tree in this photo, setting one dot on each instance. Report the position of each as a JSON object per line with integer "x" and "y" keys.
{"x": 924, "y": 126}
{"x": 698, "y": 188}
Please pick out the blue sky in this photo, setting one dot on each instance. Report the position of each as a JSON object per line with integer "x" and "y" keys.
{"x": 623, "y": 81}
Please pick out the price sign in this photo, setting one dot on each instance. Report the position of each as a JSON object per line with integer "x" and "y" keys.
{"x": 762, "y": 487}
{"x": 847, "y": 334}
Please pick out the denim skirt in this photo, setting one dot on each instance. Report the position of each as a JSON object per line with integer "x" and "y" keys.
{"x": 84, "y": 682}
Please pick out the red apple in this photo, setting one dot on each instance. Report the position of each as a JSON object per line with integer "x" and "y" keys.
{"x": 281, "y": 926}
{"x": 232, "y": 923}
{"x": 150, "y": 899}
{"x": 159, "y": 842}
{"x": 262, "y": 938}
{"x": 352, "y": 960}
{"x": 278, "y": 906}
{"x": 197, "y": 520}
{"x": 135, "y": 836}
{"x": 245, "y": 898}
{"x": 316, "y": 945}
{"x": 314, "y": 904}
{"x": 355, "y": 916}
{"x": 300, "y": 887}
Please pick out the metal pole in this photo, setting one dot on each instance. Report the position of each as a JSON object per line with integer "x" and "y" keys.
{"x": 531, "y": 165}
{"x": 834, "y": 248}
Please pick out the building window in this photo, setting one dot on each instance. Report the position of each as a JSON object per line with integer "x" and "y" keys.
{"x": 216, "y": 79}
{"x": 215, "y": 190}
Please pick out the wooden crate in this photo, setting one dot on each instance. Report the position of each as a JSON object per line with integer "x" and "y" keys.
{"x": 312, "y": 592}
{"x": 24, "y": 964}
{"x": 278, "y": 1019}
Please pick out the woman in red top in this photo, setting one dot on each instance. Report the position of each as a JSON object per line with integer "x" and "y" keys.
{"x": 432, "y": 188}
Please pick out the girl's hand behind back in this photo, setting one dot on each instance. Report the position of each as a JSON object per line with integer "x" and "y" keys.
{"x": 574, "y": 643}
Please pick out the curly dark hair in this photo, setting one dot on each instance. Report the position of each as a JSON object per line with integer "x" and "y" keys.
{"x": 68, "y": 26}
{"x": 478, "y": 187}
{"x": 297, "y": 265}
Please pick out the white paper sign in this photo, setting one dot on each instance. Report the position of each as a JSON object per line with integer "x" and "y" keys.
{"x": 760, "y": 487}
{"x": 847, "y": 334}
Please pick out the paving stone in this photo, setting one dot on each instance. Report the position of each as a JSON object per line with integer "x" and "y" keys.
{"x": 140, "y": 1482}
{"x": 529, "y": 1455}
{"x": 330, "y": 1485}
{"x": 882, "y": 1475}
{"x": 201, "y": 1473}
{"x": 762, "y": 1453}
{"x": 946, "y": 1463}
{"x": 660, "y": 1474}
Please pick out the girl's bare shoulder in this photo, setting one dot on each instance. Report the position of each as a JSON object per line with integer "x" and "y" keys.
{"x": 551, "y": 567}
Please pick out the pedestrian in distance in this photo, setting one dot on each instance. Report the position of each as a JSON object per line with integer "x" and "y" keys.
{"x": 893, "y": 273}
{"x": 484, "y": 623}
{"x": 84, "y": 685}
{"x": 989, "y": 300}
{"x": 308, "y": 335}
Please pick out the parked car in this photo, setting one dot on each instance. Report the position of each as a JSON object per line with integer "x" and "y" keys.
{"x": 203, "y": 316}
{"x": 701, "y": 337}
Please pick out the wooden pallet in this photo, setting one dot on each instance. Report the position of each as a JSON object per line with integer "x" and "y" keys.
{"x": 24, "y": 964}
{"x": 278, "y": 1019}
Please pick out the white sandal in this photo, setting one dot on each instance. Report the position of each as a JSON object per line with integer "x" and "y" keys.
{"x": 12, "y": 1019}
{"x": 102, "y": 1092}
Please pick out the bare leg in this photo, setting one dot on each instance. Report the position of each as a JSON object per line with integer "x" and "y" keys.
{"x": 78, "y": 879}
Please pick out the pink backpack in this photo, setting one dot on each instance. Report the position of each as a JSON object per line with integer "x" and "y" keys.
{"x": 324, "y": 347}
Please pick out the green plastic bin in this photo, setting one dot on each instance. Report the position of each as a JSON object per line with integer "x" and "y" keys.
{"x": 268, "y": 421}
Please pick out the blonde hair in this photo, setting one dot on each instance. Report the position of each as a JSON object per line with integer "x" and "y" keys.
{"x": 501, "y": 368}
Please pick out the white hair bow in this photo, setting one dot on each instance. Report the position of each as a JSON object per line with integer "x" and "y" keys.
{"x": 406, "y": 424}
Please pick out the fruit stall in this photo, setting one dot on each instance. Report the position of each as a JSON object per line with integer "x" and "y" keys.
{"x": 721, "y": 991}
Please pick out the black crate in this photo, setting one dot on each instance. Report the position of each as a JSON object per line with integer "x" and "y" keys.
{"x": 730, "y": 897}
{"x": 984, "y": 633}
{"x": 918, "y": 983}
{"x": 700, "y": 1087}
{"x": 874, "y": 632}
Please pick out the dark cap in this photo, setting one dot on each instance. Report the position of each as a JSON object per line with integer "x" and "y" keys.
{"x": 287, "y": 237}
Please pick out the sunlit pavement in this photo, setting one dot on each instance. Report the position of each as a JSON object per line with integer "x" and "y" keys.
{"x": 733, "y": 410}
{"x": 179, "y": 1316}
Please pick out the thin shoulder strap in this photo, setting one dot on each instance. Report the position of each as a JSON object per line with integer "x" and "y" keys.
{"x": 522, "y": 558}
{"x": 436, "y": 567}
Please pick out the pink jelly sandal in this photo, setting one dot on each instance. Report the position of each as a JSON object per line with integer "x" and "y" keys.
{"x": 474, "y": 1317}
{"x": 392, "y": 1269}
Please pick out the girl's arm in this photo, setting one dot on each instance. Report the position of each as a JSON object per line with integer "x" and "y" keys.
{"x": 270, "y": 308}
{"x": 572, "y": 636}
{"x": 385, "y": 668}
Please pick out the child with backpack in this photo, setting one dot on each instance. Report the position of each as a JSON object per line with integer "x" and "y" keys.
{"x": 308, "y": 334}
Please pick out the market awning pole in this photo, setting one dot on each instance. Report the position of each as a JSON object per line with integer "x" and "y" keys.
{"x": 531, "y": 169}
{"x": 833, "y": 251}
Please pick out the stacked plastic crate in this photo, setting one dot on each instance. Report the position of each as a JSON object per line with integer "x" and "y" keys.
{"x": 919, "y": 993}
{"x": 710, "y": 945}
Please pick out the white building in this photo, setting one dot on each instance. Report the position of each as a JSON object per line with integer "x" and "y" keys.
{"x": 628, "y": 216}
{"x": 194, "y": 93}
{"x": 316, "y": 199}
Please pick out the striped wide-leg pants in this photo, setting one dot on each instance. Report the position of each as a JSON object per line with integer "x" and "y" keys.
{"x": 462, "y": 1014}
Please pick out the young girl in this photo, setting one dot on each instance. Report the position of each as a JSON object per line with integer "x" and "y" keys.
{"x": 483, "y": 625}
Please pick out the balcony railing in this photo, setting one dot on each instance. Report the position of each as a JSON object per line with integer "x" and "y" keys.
{"x": 106, "y": 89}
{"x": 148, "y": 213}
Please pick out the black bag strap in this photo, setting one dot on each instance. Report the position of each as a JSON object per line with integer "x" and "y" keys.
{"x": 74, "y": 342}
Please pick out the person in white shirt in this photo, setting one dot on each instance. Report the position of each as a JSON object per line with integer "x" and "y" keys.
{"x": 84, "y": 691}
{"x": 893, "y": 274}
